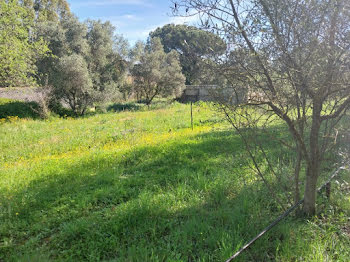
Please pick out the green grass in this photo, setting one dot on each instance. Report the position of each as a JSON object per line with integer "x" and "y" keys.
{"x": 19, "y": 109}
{"x": 142, "y": 185}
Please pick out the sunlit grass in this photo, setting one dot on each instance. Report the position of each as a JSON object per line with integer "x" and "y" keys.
{"x": 143, "y": 186}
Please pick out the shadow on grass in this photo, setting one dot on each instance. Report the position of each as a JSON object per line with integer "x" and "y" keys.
{"x": 118, "y": 107}
{"x": 138, "y": 106}
{"x": 174, "y": 201}
{"x": 18, "y": 108}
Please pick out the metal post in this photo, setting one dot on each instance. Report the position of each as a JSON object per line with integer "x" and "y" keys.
{"x": 191, "y": 116}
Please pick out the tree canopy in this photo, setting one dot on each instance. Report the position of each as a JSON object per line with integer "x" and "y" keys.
{"x": 92, "y": 41}
{"x": 18, "y": 48}
{"x": 193, "y": 45}
{"x": 157, "y": 73}
{"x": 105, "y": 64}
{"x": 66, "y": 37}
{"x": 47, "y": 10}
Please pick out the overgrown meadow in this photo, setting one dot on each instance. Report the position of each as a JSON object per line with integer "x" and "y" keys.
{"x": 139, "y": 184}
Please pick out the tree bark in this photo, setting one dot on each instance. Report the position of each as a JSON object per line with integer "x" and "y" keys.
{"x": 309, "y": 207}
{"x": 313, "y": 165}
{"x": 296, "y": 176}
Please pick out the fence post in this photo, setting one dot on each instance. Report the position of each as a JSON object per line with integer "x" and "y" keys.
{"x": 191, "y": 116}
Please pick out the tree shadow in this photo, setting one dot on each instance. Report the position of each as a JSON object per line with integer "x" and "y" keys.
{"x": 118, "y": 107}
{"x": 139, "y": 106}
{"x": 20, "y": 109}
{"x": 179, "y": 201}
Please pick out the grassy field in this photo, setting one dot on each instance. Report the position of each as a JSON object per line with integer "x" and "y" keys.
{"x": 141, "y": 185}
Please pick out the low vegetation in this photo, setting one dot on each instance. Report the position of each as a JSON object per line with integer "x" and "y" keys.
{"x": 87, "y": 174}
{"x": 141, "y": 185}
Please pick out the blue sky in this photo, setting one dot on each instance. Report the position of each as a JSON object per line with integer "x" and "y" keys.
{"x": 134, "y": 19}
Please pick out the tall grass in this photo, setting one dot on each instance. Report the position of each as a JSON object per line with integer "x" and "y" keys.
{"x": 143, "y": 186}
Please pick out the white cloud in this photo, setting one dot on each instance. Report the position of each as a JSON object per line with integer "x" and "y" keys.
{"x": 177, "y": 20}
{"x": 120, "y": 20}
{"x": 130, "y": 17}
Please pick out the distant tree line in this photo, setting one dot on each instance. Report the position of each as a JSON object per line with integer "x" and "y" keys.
{"x": 83, "y": 63}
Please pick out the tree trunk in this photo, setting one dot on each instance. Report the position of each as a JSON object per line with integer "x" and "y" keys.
{"x": 309, "y": 207}
{"x": 296, "y": 175}
{"x": 313, "y": 165}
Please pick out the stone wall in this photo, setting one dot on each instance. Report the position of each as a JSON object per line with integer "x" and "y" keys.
{"x": 29, "y": 94}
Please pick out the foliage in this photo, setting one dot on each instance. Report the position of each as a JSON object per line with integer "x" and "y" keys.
{"x": 47, "y": 10}
{"x": 73, "y": 84}
{"x": 43, "y": 26}
{"x": 75, "y": 41}
{"x": 64, "y": 39}
{"x": 293, "y": 59}
{"x": 121, "y": 46}
{"x": 157, "y": 73}
{"x": 95, "y": 42}
{"x": 194, "y": 47}
{"x": 106, "y": 67}
{"x": 123, "y": 186}
{"x": 18, "y": 52}
{"x": 22, "y": 48}
{"x": 136, "y": 51}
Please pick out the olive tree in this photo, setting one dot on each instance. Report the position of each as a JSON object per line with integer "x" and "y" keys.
{"x": 64, "y": 38}
{"x": 157, "y": 73}
{"x": 294, "y": 58}
{"x": 95, "y": 42}
{"x": 72, "y": 83}
{"x": 106, "y": 65}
